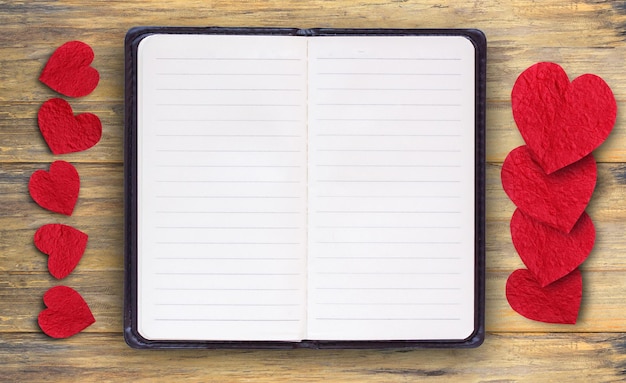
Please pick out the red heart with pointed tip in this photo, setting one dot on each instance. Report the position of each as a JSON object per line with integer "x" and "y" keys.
{"x": 550, "y": 254}
{"x": 558, "y": 302}
{"x": 64, "y": 246}
{"x": 56, "y": 190}
{"x": 561, "y": 122}
{"x": 64, "y": 132}
{"x": 68, "y": 70}
{"x": 558, "y": 199}
{"x": 67, "y": 313}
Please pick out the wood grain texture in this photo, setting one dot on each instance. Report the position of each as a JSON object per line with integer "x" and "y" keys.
{"x": 582, "y": 36}
{"x": 528, "y": 357}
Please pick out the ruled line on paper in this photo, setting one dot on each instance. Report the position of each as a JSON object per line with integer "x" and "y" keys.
{"x": 389, "y": 242}
{"x": 387, "y": 288}
{"x": 386, "y": 166}
{"x": 388, "y": 196}
{"x": 227, "y": 120}
{"x": 230, "y": 58}
{"x": 229, "y": 135}
{"x": 386, "y": 58}
{"x": 226, "y": 166}
{"x": 250, "y": 304}
{"x": 222, "y": 289}
{"x": 384, "y": 257}
{"x": 228, "y": 181}
{"x": 389, "y": 181}
{"x": 388, "y": 135}
{"x": 393, "y": 89}
{"x": 223, "y": 151}
{"x": 230, "y": 227}
{"x": 384, "y": 74}
{"x": 223, "y": 320}
{"x": 231, "y": 89}
{"x": 388, "y": 319}
{"x": 392, "y": 150}
{"x": 389, "y": 227}
{"x": 234, "y": 258}
{"x": 226, "y": 243}
{"x": 389, "y": 304}
{"x": 229, "y": 274}
{"x": 384, "y": 104}
{"x": 392, "y": 120}
{"x": 387, "y": 211}
{"x": 225, "y": 196}
{"x": 224, "y": 212}
{"x": 385, "y": 273}
{"x": 225, "y": 74}
{"x": 229, "y": 105}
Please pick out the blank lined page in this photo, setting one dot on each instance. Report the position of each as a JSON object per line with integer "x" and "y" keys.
{"x": 391, "y": 188}
{"x": 222, "y": 187}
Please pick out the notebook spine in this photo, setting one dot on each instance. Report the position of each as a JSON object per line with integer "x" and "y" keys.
{"x": 305, "y": 32}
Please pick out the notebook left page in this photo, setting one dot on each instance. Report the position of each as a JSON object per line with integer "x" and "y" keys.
{"x": 221, "y": 187}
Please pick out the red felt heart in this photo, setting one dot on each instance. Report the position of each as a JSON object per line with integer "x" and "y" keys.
{"x": 67, "y": 313}
{"x": 558, "y": 302}
{"x": 557, "y": 199}
{"x": 56, "y": 190}
{"x": 64, "y": 132}
{"x": 549, "y": 253}
{"x": 68, "y": 71}
{"x": 64, "y": 246}
{"x": 560, "y": 121}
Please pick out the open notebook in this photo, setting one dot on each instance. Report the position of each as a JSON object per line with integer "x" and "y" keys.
{"x": 304, "y": 188}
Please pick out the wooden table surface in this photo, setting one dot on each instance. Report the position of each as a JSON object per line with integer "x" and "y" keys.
{"x": 582, "y": 36}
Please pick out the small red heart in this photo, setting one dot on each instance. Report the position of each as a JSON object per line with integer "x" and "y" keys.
{"x": 560, "y": 121}
{"x": 67, "y": 313}
{"x": 64, "y": 246}
{"x": 64, "y": 132}
{"x": 549, "y": 253}
{"x": 68, "y": 71}
{"x": 557, "y": 199}
{"x": 558, "y": 302}
{"x": 56, "y": 190}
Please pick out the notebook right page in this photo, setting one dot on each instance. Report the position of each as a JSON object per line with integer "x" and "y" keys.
{"x": 391, "y": 187}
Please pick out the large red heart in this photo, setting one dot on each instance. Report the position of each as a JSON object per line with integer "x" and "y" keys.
{"x": 64, "y": 246}
{"x": 68, "y": 70}
{"x": 549, "y": 253}
{"x": 56, "y": 190}
{"x": 67, "y": 313}
{"x": 557, "y": 199}
{"x": 64, "y": 132}
{"x": 558, "y": 302}
{"x": 560, "y": 121}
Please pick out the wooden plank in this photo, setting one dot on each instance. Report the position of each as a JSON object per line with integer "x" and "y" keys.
{"x": 502, "y": 358}
{"x": 98, "y": 212}
{"x": 513, "y": 32}
{"x": 21, "y": 140}
{"x": 602, "y": 308}
{"x": 21, "y": 298}
{"x": 22, "y": 66}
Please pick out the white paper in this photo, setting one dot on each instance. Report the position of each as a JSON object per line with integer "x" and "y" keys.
{"x": 391, "y": 188}
{"x": 305, "y": 188}
{"x": 222, "y": 187}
